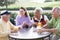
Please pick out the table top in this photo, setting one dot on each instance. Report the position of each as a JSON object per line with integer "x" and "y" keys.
{"x": 29, "y": 34}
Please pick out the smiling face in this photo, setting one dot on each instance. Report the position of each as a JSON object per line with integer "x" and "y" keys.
{"x": 6, "y": 17}
{"x": 55, "y": 13}
{"x": 22, "y": 12}
{"x": 37, "y": 13}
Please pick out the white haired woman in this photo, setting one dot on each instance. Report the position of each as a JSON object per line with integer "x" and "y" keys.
{"x": 39, "y": 18}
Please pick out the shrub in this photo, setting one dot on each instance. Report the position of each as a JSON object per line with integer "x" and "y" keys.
{"x": 13, "y": 15}
{"x": 31, "y": 14}
{"x": 47, "y": 8}
{"x": 49, "y": 15}
{"x": 28, "y": 8}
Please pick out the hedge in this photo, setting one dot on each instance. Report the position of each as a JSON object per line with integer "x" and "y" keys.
{"x": 31, "y": 14}
{"x": 28, "y": 8}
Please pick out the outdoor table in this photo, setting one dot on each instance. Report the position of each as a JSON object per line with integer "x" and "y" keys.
{"x": 29, "y": 35}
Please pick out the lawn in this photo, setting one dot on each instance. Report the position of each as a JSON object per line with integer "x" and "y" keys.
{"x": 33, "y": 4}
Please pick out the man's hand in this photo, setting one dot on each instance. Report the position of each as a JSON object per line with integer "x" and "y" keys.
{"x": 39, "y": 31}
{"x": 13, "y": 31}
{"x": 53, "y": 30}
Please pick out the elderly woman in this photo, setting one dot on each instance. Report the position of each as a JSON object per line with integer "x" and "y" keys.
{"x": 38, "y": 17}
{"x": 53, "y": 24}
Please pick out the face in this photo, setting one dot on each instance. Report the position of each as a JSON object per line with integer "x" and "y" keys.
{"x": 22, "y": 12}
{"x": 6, "y": 17}
{"x": 55, "y": 13}
{"x": 37, "y": 13}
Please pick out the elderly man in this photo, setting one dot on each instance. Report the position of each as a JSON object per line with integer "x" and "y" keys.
{"x": 5, "y": 26}
{"x": 54, "y": 24}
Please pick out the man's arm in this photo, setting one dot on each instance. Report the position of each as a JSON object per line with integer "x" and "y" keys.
{"x": 13, "y": 27}
{"x": 53, "y": 30}
{"x": 2, "y": 32}
{"x": 49, "y": 24}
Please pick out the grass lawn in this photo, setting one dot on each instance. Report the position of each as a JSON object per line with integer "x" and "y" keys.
{"x": 31, "y": 4}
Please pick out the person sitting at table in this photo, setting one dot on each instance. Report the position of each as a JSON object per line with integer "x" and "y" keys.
{"x": 23, "y": 18}
{"x": 6, "y": 27}
{"x": 39, "y": 18}
{"x": 54, "y": 24}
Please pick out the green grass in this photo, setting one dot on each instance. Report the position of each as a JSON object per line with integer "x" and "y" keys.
{"x": 31, "y": 4}
{"x": 46, "y": 4}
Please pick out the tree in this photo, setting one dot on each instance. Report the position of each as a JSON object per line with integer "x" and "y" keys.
{"x": 6, "y": 2}
{"x": 1, "y": 2}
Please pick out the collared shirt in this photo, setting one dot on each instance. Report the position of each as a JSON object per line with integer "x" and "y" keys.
{"x": 21, "y": 19}
{"x": 55, "y": 23}
{"x": 45, "y": 18}
{"x": 5, "y": 29}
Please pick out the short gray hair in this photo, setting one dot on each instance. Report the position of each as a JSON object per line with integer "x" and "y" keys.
{"x": 40, "y": 9}
{"x": 56, "y": 8}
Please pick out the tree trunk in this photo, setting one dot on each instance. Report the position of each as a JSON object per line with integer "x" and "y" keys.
{"x": 6, "y": 4}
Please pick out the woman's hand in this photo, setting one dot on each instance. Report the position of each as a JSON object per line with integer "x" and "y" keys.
{"x": 25, "y": 25}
